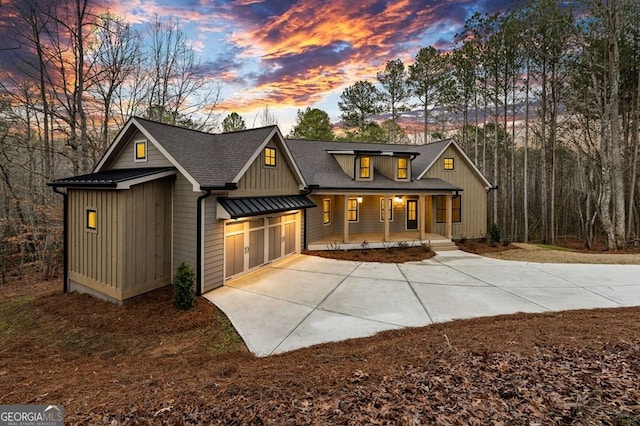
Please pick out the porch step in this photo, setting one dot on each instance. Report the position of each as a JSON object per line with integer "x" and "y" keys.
{"x": 443, "y": 245}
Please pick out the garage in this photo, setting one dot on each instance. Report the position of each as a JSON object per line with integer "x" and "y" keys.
{"x": 256, "y": 241}
{"x": 260, "y": 230}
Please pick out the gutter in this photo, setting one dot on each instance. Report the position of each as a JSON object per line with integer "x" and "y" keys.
{"x": 199, "y": 205}
{"x": 65, "y": 240}
{"x": 228, "y": 186}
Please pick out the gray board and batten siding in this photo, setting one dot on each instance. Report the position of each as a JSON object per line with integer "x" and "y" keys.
{"x": 132, "y": 239}
{"x": 474, "y": 197}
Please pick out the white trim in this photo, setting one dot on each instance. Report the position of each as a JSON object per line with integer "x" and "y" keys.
{"x": 129, "y": 183}
{"x": 254, "y": 157}
{"x": 141, "y": 128}
{"x": 113, "y": 146}
{"x": 464, "y": 156}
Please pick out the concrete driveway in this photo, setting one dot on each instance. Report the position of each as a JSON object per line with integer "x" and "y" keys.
{"x": 306, "y": 300}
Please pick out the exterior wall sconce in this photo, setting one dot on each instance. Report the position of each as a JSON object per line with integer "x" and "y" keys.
{"x": 397, "y": 200}
{"x": 359, "y": 199}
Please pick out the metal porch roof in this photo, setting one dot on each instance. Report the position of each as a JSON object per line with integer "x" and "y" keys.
{"x": 255, "y": 206}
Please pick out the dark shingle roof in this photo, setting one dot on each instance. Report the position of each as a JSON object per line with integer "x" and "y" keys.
{"x": 211, "y": 159}
{"x": 108, "y": 178}
{"x": 321, "y": 169}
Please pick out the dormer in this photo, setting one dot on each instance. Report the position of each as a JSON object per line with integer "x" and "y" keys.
{"x": 361, "y": 165}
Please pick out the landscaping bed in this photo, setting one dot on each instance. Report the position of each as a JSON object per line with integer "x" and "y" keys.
{"x": 383, "y": 255}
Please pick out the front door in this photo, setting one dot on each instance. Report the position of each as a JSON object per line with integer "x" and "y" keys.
{"x": 412, "y": 214}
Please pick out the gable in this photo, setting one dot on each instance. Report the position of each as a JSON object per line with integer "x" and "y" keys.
{"x": 125, "y": 158}
{"x": 260, "y": 179}
{"x": 464, "y": 174}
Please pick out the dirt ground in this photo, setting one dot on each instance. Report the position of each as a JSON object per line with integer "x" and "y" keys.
{"x": 535, "y": 253}
{"x": 147, "y": 363}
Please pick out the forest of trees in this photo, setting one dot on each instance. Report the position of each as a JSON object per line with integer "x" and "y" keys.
{"x": 545, "y": 99}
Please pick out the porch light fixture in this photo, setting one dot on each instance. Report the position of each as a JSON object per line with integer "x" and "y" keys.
{"x": 397, "y": 200}
{"x": 359, "y": 199}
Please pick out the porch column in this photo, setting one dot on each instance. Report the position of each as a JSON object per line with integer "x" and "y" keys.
{"x": 428, "y": 214}
{"x": 386, "y": 217}
{"x": 448, "y": 228}
{"x": 345, "y": 224}
{"x": 421, "y": 216}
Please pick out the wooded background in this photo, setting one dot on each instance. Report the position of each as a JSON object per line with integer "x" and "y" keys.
{"x": 545, "y": 99}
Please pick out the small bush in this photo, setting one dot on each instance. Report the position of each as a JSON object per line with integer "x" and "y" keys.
{"x": 494, "y": 234}
{"x": 183, "y": 280}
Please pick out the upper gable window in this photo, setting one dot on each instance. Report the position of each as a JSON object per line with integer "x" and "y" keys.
{"x": 270, "y": 157}
{"x": 403, "y": 168}
{"x": 365, "y": 167}
{"x": 448, "y": 163}
{"x": 140, "y": 153}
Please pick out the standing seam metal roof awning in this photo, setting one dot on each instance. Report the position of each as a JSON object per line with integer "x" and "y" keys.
{"x": 255, "y": 206}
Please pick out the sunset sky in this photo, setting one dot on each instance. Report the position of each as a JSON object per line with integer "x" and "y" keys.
{"x": 292, "y": 54}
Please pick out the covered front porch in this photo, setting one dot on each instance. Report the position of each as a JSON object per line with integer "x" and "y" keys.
{"x": 375, "y": 220}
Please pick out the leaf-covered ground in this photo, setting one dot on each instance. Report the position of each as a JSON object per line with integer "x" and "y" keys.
{"x": 146, "y": 363}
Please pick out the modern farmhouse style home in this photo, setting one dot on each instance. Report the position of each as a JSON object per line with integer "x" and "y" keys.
{"x": 230, "y": 203}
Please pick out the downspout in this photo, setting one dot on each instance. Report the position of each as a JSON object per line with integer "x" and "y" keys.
{"x": 307, "y": 191}
{"x": 65, "y": 240}
{"x": 199, "y": 242}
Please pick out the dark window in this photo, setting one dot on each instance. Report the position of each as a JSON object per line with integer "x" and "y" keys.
{"x": 441, "y": 209}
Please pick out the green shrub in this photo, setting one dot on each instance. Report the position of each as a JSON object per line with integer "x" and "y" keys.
{"x": 183, "y": 281}
{"x": 494, "y": 234}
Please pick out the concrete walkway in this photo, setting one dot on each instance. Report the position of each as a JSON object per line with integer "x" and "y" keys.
{"x": 306, "y": 300}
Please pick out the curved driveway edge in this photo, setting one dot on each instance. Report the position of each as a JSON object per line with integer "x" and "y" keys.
{"x": 305, "y": 300}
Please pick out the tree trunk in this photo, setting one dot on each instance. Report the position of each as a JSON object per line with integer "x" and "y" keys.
{"x": 525, "y": 189}
{"x": 614, "y": 122}
{"x": 634, "y": 165}
{"x": 543, "y": 157}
